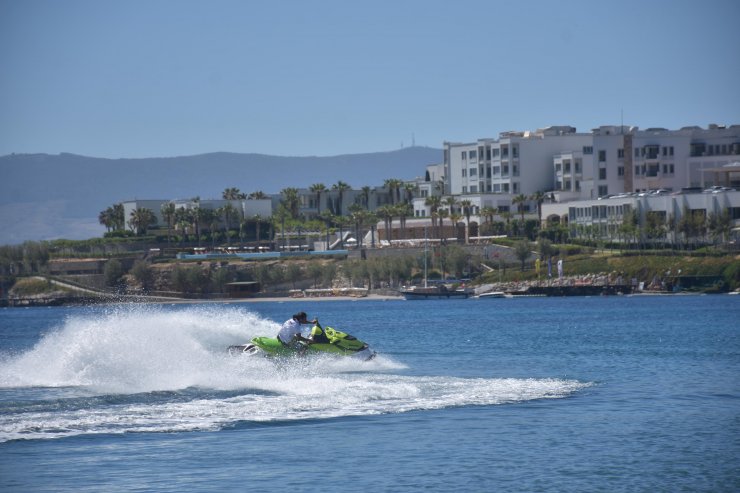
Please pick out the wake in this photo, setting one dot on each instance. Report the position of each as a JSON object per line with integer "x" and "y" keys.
{"x": 153, "y": 369}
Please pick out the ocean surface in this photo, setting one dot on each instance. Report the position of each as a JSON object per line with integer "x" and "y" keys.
{"x": 613, "y": 394}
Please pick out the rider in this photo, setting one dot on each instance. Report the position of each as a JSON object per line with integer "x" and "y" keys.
{"x": 290, "y": 332}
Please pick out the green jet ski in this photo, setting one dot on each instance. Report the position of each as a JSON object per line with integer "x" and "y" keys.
{"x": 340, "y": 344}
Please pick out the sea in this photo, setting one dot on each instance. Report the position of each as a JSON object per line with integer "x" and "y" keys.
{"x": 575, "y": 394}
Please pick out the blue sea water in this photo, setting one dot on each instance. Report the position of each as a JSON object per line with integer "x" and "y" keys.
{"x": 618, "y": 394}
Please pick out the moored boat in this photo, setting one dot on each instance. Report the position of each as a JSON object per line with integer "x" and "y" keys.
{"x": 437, "y": 292}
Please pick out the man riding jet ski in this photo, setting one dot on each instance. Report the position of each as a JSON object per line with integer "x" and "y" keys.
{"x": 290, "y": 341}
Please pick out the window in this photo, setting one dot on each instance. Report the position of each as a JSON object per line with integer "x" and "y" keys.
{"x": 464, "y": 172}
{"x": 620, "y": 171}
{"x": 464, "y": 189}
{"x": 464, "y": 156}
{"x": 473, "y": 172}
{"x": 505, "y": 188}
{"x": 496, "y": 188}
{"x": 497, "y": 170}
{"x": 603, "y": 190}
{"x": 505, "y": 170}
{"x": 637, "y": 170}
{"x": 515, "y": 187}
{"x": 602, "y": 156}
{"x": 588, "y": 149}
{"x": 637, "y": 152}
{"x": 473, "y": 155}
{"x": 496, "y": 151}
{"x": 473, "y": 189}
{"x": 620, "y": 153}
{"x": 566, "y": 166}
{"x": 515, "y": 170}
{"x": 602, "y": 173}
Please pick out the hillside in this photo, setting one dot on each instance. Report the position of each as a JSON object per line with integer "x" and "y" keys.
{"x": 46, "y": 196}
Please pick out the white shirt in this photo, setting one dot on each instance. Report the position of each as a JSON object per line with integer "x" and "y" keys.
{"x": 289, "y": 330}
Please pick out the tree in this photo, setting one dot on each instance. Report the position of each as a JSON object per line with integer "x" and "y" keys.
{"x": 318, "y": 189}
{"x": 404, "y": 211}
{"x": 233, "y": 194}
{"x": 441, "y": 215}
{"x": 144, "y": 274}
{"x": 366, "y": 196}
{"x": 538, "y": 197}
{"x": 112, "y": 218}
{"x": 141, "y": 219}
{"x": 455, "y": 218}
{"x": 168, "y": 213}
{"x": 519, "y": 201}
{"x": 291, "y": 201}
{"x": 409, "y": 190}
{"x": 386, "y": 213}
{"x": 522, "y": 251}
{"x": 434, "y": 202}
{"x": 393, "y": 185}
{"x": 488, "y": 212}
{"x": 340, "y": 187}
{"x": 293, "y": 273}
{"x": 467, "y": 207}
{"x": 229, "y": 213}
{"x": 106, "y": 218}
{"x": 258, "y": 195}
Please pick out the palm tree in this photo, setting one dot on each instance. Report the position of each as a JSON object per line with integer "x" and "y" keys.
{"x": 409, "y": 190}
{"x": 118, "y": 217}
{"x": 488, "y": 212}
{"x": 257, "y": 223}
{"x": 433, "y": 202}
{"x": 141, "y": 219}
{"x": 519, "y": 201}
{"x": 393, "y": 185}
{"x": 386, "y": 213}
{"x": 168, "y": 213}
{"x": 404, "y": 211}
{"x": 233, "y": 194}
{"x": 467, "y": 207}
{"x": 106, "y": 218}
{"x": 291, "y": 200}
{"x": 366, "y": 196}
{"x": 442, "y": 214}
{"x": 228, "y": 212}
{"x": 340, "y": 187}
{"x": 455, "y": 218}
{"x": 318, "y": 189}
{"x": 539, "y": 198}
{"x": 258, "y": 195}
{"x": 183, "y": 220}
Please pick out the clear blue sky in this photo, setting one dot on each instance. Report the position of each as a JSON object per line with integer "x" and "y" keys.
{"x": 153, "y": 78}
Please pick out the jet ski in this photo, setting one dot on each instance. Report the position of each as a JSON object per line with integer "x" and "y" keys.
{"x": 340, "y": 344}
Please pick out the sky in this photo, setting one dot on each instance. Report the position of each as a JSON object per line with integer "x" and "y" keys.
{"x": 156, "y": 78}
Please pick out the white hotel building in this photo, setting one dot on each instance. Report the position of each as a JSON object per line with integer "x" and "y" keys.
{"x": 585, "y": 167}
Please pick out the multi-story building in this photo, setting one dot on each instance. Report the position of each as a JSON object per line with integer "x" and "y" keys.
{"x": 569, "y": 166}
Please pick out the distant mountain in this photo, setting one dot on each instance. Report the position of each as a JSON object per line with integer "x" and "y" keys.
{"x": 46, "y": 196}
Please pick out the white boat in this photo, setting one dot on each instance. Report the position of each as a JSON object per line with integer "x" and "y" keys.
{"x": 493, "y": 294}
